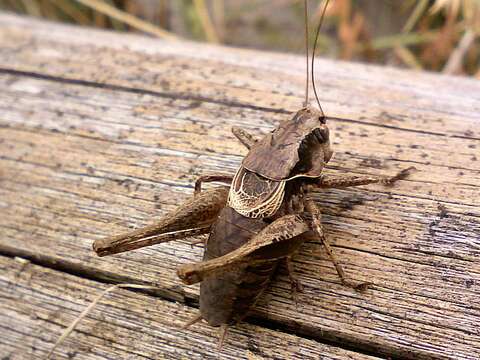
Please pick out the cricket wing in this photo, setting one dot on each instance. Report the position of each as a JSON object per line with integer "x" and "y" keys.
{"x": 279, "y": 231}
{"x": 254, "y": 196}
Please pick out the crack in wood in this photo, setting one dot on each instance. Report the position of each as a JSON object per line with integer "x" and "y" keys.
{"x": 191, "y": 97}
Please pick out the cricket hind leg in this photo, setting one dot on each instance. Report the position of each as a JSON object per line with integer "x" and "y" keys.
{"x": 284, "y": 233}
{"x": 314, "y": 211}
{"x": 194, "y": 217}
{"x": 329, "y": 181}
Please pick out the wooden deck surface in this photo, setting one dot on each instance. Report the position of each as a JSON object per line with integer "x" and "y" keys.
{"x": 101, "y": 132}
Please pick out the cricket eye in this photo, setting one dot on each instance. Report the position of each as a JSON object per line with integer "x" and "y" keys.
{"x": 322, "y": 119}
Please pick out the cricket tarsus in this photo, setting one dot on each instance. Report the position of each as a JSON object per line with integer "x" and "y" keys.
{"x": 343, "y": 181}
{"x": 399, "y": 176}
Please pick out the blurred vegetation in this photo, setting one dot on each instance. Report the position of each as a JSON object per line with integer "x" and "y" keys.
{"x": 438, "y": 35}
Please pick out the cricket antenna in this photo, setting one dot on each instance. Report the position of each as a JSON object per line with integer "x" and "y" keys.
{"x": 313, "y": 56}
{"x": 305, "y": 8}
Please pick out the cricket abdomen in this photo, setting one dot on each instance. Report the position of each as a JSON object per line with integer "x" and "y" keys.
{"x": 226, "y": 298}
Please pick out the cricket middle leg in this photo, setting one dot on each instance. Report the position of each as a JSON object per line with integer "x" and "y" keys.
{"x": 227, "y": 179}
{"x": 314, "y": 211}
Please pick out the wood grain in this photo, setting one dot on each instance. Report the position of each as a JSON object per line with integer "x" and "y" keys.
{"x": 101, "y": 132}
{"x": 38, "y": 303}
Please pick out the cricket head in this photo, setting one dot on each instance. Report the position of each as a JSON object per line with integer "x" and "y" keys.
{"x": 314, "y": 150}
{"x": 299, "y": 146}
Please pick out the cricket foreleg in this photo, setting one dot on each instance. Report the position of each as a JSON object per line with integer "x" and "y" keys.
{"x": 331, "y": 181}
{"x": 314, "y": 211}
{"x": 282, "y": 231}
{"x": 195, "y": 217}
{"x": 211, "y": 178}
{"x": 243, "y": 136}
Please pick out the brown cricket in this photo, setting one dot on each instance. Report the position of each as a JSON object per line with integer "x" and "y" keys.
{"x": 262, "y": 219}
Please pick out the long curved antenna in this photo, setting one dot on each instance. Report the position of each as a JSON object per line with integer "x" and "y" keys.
{"x": 313, "y": 56}
{"x": 307, "y": 85}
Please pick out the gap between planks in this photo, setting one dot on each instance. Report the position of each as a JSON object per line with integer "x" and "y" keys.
{"x": 212, "y": 100}
{"x": 35, "y": 309}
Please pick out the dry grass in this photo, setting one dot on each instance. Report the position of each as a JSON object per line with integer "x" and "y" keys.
{"x": 438, "y": 35}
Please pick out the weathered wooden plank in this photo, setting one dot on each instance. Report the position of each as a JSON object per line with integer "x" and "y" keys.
{"x": 404, "y": 100}
{"x": 38, "y": 303}
{"x": 79, "y": 162}
{"x": 417, "y": 113}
